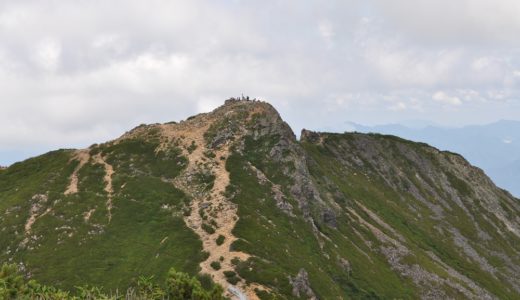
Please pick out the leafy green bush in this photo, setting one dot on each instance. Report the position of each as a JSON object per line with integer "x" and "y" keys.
{"x": 231, "y": 277}
{"x": 233, "y": 280}
{"x": 229, "y": 274}
{"x": 209, "y": 154}
{"x": 182, "y": 286}
{"x": 208, "y": 228}
{"x": 192, "y": 147}
{"x": 215, "y": 265}
{"x": 206, "y": 179}
{"x": 220, "y": 240}
{"x": 178, "y": 285}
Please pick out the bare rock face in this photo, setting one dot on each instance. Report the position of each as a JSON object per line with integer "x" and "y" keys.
{"x": 301, "y": 285}
{"x": 257, "y": 121}
{"x": 310, "y": 136}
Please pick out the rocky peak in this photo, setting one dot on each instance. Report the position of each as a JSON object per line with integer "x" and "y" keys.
{"x": 236, "y": 115}
{"x": 309, "y": 136}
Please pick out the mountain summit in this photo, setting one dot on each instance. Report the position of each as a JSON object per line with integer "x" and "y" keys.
{"x": 234, "y": 195}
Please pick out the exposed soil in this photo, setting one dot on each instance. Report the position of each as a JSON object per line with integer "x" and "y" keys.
{"x": 215, "y": 206}
{"x": 109, "y": 171}
{"x": 35, "y": 213}
{"x": 83, "y": 157}
{"x": 88, "y": 214}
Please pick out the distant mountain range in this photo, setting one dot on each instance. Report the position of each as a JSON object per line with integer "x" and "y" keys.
{"x": 493, "y": 147}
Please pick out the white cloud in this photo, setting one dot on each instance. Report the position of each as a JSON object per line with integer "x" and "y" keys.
{"x": 77, "y": 72}
{"x": 446, "y": 99}
{"x": 327, "y": 32}
{"x": 401, "y": 65}
{"x": 47, "y": 55}
{"x": 455, "y": 21}
{"x": 399, "y": 106}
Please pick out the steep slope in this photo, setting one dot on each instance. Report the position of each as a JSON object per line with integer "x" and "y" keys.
{"x": 233, "y": 194}
{"x": 493, "y": 147}
{"x": 435, "y": 219}
{"x": 100, "y": 216}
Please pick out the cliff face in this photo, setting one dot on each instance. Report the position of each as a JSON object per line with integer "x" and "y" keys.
{"x": 330, "y": 216}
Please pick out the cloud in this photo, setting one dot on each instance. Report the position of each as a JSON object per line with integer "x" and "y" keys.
{"x": 77, "y": 72}
{"x": 48, "y": 54}
{"x": 399, "y": 106}
{"x": 449, "y": 100}
{"x": 327, "y": 32}
{"x": 454, "y": 21}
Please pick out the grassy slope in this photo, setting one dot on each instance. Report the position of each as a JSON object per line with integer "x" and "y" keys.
{"x": 285, "y": 244}
{"x": 360, "y": 185}
{"x": 282, "y": 245}
{"x": 146, "y": 236}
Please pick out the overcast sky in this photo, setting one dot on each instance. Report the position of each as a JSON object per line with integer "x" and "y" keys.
{"x": 77, "y": 72}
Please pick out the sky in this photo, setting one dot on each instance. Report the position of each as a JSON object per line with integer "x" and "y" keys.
{"x": 73, "y": 73}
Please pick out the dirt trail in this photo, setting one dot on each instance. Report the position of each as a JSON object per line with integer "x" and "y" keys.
{"x": 109, "y": 171}
{"x": 88, "y": 214}
{"x": 83, "y": 157}
{"x": 216, "y": 207}
{"x": 32, "y": 219}
{"x": 35, "y": 212}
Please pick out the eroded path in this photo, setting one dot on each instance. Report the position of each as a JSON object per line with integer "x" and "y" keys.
{"x": 109, "y": 172}
{"x": 210, "y": 209}
{"x": 83, "y": 157}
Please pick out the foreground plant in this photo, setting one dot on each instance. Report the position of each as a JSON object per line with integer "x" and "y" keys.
{"x": 178, "y": 286}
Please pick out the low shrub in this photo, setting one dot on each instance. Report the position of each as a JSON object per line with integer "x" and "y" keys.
{"x": 178, "y": 285}
{"x": 216, "y": 265}
{"x": 208, "y": 228}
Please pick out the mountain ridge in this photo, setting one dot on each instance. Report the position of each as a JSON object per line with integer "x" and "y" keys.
{"x": 493, "y": 147}
{"x": 233, "y": 194}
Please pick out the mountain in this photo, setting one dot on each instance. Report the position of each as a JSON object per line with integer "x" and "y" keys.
{"x": 494, "y": 147}
{"x": 233, "y": 194}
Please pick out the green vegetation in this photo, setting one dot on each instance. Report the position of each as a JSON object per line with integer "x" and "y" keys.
{"x": 192, "y": 147}
{"x": 210, "y": 154}
{"x": 282, "y": 245}
{"x": 215, "y": 265}
{"x": 220, "y": 240}
{"x": 460, "y": 185}
{"x": 208, "y": 228}
{"x": 177, "y": 285}
{"x": 231, "y": 277}
{"x": 145, "y": 237}
{"x": 367, "y": 185}
{"x": 375, "y": 217}
{"x": 205, "y": 178}
{"x": 138, "y": 156}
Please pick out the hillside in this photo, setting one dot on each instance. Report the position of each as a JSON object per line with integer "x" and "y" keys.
{"x": 233, "y": 194}
{"x": 493, "y": 147}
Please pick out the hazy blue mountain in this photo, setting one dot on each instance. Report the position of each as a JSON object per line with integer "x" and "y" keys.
{"x": 493, "y": 147}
